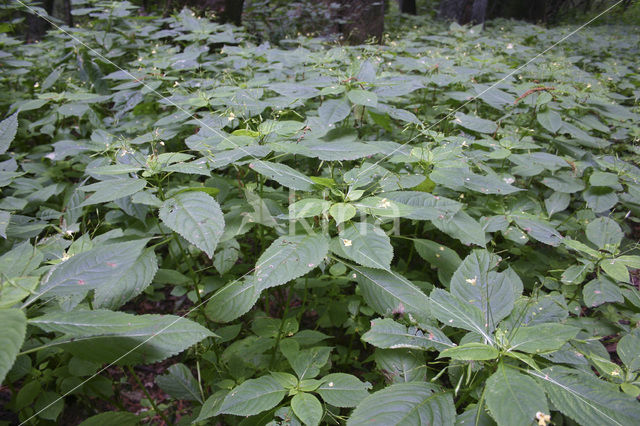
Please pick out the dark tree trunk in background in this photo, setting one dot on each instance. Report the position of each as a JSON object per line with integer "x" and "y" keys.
{"x": 37, "y": 27}
{"x": 479, "y": 11}
{"x": 68, "y": 17}
{"x": 233, "y": 11}
{"x": 362, "y": 20}
{"x": 464, "y": 11}
{"x": 408, "y": 6}
{"x": 452, "y": 10}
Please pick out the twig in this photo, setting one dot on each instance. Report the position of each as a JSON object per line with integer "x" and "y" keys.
{"x": 534, "y": 90}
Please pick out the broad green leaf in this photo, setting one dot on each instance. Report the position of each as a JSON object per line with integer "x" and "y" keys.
{"x": 581, "y": 247}
{"x": 116, "y": 337}
{"x": 387, "y": 334}
{"x": 307, "y": 362}
{"x": 605, "y": 179}
{"x": 8, "y": 129}
{"x": 12, "y": 333}
{"x": 489, "y": 184}
{"x": 363, "y": 97}
{"x": 605, "y": 233}
{"x": 308, "y": 207}
{"x": 49, "y": 405}
{"x": 406, "y": 404}
{"x": 307, "y": 408}
{"x": 576, "y": 274}
{"x": 293, "y": 90}
{"x": 388, "y": 292}
{"x": 111, "y": 190}
{"x": 5, "y": 217}
{"x": 342, "y": 390}
{"x": 439, "y": 256}
{"x": 539, "y": 230}
{"x": 476, "y": 283}
{"x": 550, "y": 120}
{"x": 117, "y": 272}
{"x": 382, "y": 207}
{"x": 283, "y": 174}
{"x": 454, "y": 312}
{"x": 115, "y": 169}
{"x": 287, "y": 380}
{"x": 17, "y": 289}
{"x": 543, "y": 309}
{"x": 541, "y": 338}
{"x": 557, "y": 202}
{"x": 606, "y": 367}
{"x": 564, "y": 182}
{"x": 630, "y": 261}
{"x": 472, "y": 351}
{"x": 197, "y": 217}
{"x": 226, "y": 256}
{"x": 425, "y": 206}
{"x": 462, "y": 227}
{"x": 338, "y": 151}
{"x": 334, "y": 110}
{"x": 601, "y": 290}
{"x": 232, "y": 301}
{"x": 253, "y": 396}
{"x": 342, "y": 212}
{"x": 615, "y": 269}
{"x": 401, "y": 365}
{"x": 288, "y": 258}
{"x": 20, "y": 260}
{"x": 587, "y": 399}
{"x": 364, "y": 243}
{"x": 120, "y": 418}
{"x": 475, "y": 415}
{"x": 212, "y": 405}
{"x": 179, "y": 383}
{"x": 513, "y": 398}
{"x": 474, "y": 123}
{"x": 600, "y": 199}
{"x": 628, "y": 350}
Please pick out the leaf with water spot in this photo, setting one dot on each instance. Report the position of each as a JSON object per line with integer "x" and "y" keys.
{"x": 117, "y": 272}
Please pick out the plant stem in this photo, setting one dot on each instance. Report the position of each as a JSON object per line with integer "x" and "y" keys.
{"x": 149, "y": 397}
{"x": 284, "y": 317}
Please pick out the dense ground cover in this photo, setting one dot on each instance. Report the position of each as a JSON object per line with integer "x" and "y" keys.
{"x": 434, "y": 231}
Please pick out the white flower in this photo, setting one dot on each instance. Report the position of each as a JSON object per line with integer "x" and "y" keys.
{"x": 384, "y": 203}
{"x": 347, "y": 243}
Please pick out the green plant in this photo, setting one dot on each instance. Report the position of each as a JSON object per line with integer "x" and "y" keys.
{"x": 319, "y": 234}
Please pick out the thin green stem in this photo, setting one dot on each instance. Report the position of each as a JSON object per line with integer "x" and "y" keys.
{"x": 284, "y": 317}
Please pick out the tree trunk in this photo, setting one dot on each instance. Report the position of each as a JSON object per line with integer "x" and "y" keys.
{"x": 408, "y": 6}
{"x": 68, "y": 17}
{"x": 452, "y": 10}
{"x": 37, "y": 27}
{"x": 362, "y": 19}
{"x": 479, "y": 11}
{"x": 464, "y": 11}
{"x": 233, "y": 11}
